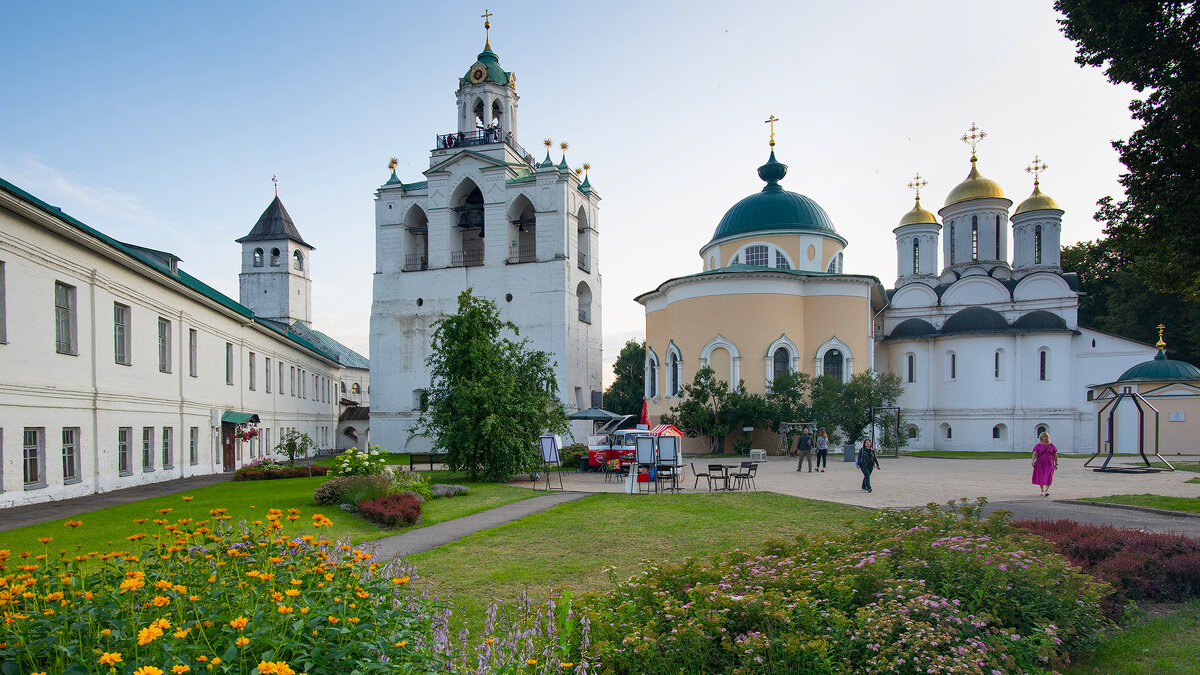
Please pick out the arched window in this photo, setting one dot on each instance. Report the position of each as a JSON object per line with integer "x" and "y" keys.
{"x": 782, "y": 361}
{"x": 781, "y": 261}
{"x": 757, "y": 256}
{"x": 673, "y": 373}
{"x": 916, "y": 269}
{"x": 651, "y": 375}
{"x": 354, "y": 389}
{"x": 298, "y": 260}
{"x": 258, "y": 257}
{"x": 974, "y": 237}
{"x": 996, "y": 364}
{"x": 274, "y": 257}
{"x": 583, "y": 295}
{"x": 998, "y": 432}
{"x": 737, "y": 259}
{"x": 912, "y": 368}
{"x": 1041, "y": 429}
{"x": 1043, "y": 364}
{"x": 999, "y": 236}
{"x": 583, "y": 242}
{"x": 343, "y": 387}
{"x": 949, "y": 431}
{"x": 832, "y": 269}
{"x": 913, "y": 431}
{"x": 1037, "y": 245}
{"x": 952, "y": 242}
{"x": 952, "y": 366}
{"x": 832, "y": 365}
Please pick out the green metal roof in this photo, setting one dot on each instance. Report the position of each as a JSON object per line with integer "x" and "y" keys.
{"x": 238, "y": 417}
{"x": 1161, "y": 368}
{"x": 774, "y": 209}
{"x": 491, "y": 62}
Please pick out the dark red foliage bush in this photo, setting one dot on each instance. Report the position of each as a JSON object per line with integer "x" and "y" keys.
{"x": 1139, "y": 565}
{"x": 254, "y": 473}
{"x": 392, "y": 510}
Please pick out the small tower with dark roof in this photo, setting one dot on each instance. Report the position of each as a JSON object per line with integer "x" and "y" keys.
{"x": 276, "y": 281}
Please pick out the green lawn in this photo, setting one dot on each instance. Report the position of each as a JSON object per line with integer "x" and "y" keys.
{"x": 570, "y": 545}
{"x": 248, "y": 500}
{"x": 1192, "y": 480}
{"x": 1164, "y": 644}
{"x": 1179, "y": 465}
{"x": 1185, "y": 504}
{"x": 982, "y": 454}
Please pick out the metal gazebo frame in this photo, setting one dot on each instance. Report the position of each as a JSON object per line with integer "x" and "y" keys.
{"x": 1105, "y": 422}
{"x": 875, "y": 410}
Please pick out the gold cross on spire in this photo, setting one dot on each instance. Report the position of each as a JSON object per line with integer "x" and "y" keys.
{"x": 487, "y": 26}
{"x": 772, "y": 120}
{"x": 1036, "y": 168}
{"x": 1160, "y": 344}
{"x": 916, "y": 184}
{"x": 972, "y": 138}
{"x": 276, "y": 182}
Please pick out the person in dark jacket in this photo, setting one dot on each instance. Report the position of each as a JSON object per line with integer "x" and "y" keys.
{"x": 804, "y": 450}
{"x": 822, "y": 450}
{"x": 867, "y": 462}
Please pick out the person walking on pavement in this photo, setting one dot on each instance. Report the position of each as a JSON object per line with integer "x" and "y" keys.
{"x": 804, "y": 450}
{"x": 867, "y": 462}
{"x": 822, "y": 451}
{"x": 1045, "y": 461}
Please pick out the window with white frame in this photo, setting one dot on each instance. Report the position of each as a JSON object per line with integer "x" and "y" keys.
{"x": 951, "y": 366}
{"x": 996, "y": 364}
{"x": 193, "y": 353}
{"x": 292, "y": 380}
{"x": 298, "y": 260}
{"x": 757, "y": 255}
{"x": 281, "y": 378}
{"x": 673, "y": 374}
{"x": 1037, "y": 245}
{"x": 833, "y": 364}
{"x": 781, "y": 361}
{"x": 228, "y": 363}
{"x": 781, "y": 261}
{"x": 916, "y": 257}
{"x": 168, "y": 448}
{"x": 651, "y": 375}
{"x": 70, "y": 454}
{"x": 1043, "y": 364}
{"x": 33, "y": 460}
{"x": 258, "y": 257}
{"x": 267, "y": 374}
{"x": 164, "y": 345}
{"x": 124, "y": 450}
{"x": 974, "y": 237}
{"x": 121, "y": 334}
{"x": 64, "y": 319}
{"x": 147, "y": 448}
{"x": 251, "y": 370}
{"x": 194, "y": 445}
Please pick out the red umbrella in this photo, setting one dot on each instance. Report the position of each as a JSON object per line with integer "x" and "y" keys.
{"x": 645, "y": 413}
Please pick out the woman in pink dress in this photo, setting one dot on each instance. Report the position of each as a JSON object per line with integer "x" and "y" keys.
{"x": 1045, "y": 461}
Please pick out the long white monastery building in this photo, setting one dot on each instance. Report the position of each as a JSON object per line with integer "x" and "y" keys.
{"x": 118, "y": 368}
{"x": 488, "y": 217}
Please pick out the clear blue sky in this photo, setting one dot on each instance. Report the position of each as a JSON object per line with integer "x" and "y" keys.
{"x": 161, "y": 123}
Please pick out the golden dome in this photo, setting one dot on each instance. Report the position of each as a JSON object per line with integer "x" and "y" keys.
{"x": 974, "y": 187}
{"x": 1037, "y": 201}
{"x": 918, "y": 216}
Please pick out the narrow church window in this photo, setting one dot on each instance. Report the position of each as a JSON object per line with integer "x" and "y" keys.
{"x": 673, "y": 374}
{"x": 258, "y": 257}
{"x": 274, "y": 257}
{"x": 997, "y": 432}
{"x": 736, "y": 259}
{"x": 999, "y": 236}
{"x": 952, "y": 242}
{"x": 916, "y": 266}
{"x": 953, "y": 366}
{"x": 298, "y": 260}
{"x": 832, "y": 365}
{"x": 996, "y": 365}
{"x": 832, "y": 269}
{"x": 652, "y": 378}
{"x": 355, "y": 389}
{"x": 756, "y": 255}
{"x": 782, "y": 362}
{"x": 974, "y": 237}
{"x": 912, "y": 368}
{"x": 1042, "y": 358}
{"x": 949, "y": 432}
{"x": 1037, "y": 245}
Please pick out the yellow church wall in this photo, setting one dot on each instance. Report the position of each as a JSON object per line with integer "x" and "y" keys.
{"x": 1173, "y": 437}
{"x": 794, "y": 245}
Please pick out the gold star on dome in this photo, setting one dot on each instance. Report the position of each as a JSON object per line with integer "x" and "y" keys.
{"x": 392, "y": 163}
{"x": 972, "y": 138}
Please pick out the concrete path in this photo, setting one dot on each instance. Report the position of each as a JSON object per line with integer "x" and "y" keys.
{"x": 428, "y": 538}
{"x": 35, "y": 514}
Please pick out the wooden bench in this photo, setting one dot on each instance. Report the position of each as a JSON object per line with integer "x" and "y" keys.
{"x": 429, "y": 457}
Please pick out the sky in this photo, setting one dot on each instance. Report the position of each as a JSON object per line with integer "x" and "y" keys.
{"x": 162, "y": 124}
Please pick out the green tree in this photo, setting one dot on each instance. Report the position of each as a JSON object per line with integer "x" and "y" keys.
{"x": 1116, "y": 300}
{"x": 490, "y": 397}
{"x": 627, "y": 391}
{"x": 294, "y": 443}
{"x": 787, "y": 400}
{"x": 704, "y": 408}
{"x": 1155, "y": 48}
{"x": 826, "y": 409}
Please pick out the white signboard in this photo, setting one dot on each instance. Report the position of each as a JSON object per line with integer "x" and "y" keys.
{"x": 549, "y": 449}
{"x": 1178, "y": 416}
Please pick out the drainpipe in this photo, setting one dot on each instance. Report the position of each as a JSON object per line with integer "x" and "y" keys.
{"x": 95, "y": 390}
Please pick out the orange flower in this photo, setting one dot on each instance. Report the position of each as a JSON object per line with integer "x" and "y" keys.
{"x": 284, "y": 609}
{"x": 181, "y": 668}
{"x": 568, "y": 664}
{"x": 275, "y": 668}
{"x": 45, "y": 540}
{"x": 148, "y": 670}
{"x": 400, "y": 580}
{"x": 531, "y": 662}
{"x": 188, "y": 499}
{"x": 73, "y": 523}
{"x": 160, "y": 601}
{"x": 131, "y": 585}
{"x": 240, "y": 622}
{"x": 148, "y": 635}
{"x": 110, "y": 658}
{"x": 241, "y": 642}
{"x": 400, "y": 643}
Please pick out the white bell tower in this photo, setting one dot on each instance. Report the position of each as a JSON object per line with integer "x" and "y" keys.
{"x": 487, "y": 95}
{"x": 276, "y": 281}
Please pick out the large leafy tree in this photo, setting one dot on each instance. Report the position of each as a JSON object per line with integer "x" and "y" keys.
{"x": 625, "y": 394}
{"x": 845, "y": 409}
{"x": 1117, "y": 300}
{"x": 704, "y": 409}
{"x": 1155, "y": 48}
{"x": 490, "y": 396}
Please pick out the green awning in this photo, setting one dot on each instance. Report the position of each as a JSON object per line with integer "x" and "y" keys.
{"x": 239, "y": 417}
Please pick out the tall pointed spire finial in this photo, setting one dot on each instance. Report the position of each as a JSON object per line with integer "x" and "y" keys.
{"x": 972, "y": 138}
{"x": 275, "y": 180}
{"x": 487, "y": 27}
{"x": 916, "y": 184}
{"x": 772, "y": 120}
{"x": 1161, "y": 344}
{"x": 1036, "y": 168}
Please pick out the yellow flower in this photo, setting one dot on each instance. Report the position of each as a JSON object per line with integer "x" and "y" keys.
{"x": 163, "y": 624}
{"x": 182, "y": 633}
{"x": 401, "y": 643}
{"x": 148, "y": 635}
{"x": 489, "y": 641}
{"x": 275, "y": 668}
{"x": 148, "y": 670}
{"x": 242, "y": 641}
{"x": 400, "y": 580}
{"x": 239, "y": 623}
{"x": 131, "y": 585}
{"x": 216, "y": 660}
{"x": 180, "y": 668}
{"x": 531, "y": 662}
{"x": 188, "y": 498}
{"x": 45, "y": 540}
{"x": 106, "y": 632}
{"x": 565, "y": 665}
{"x": 160, "y": 601}
{"x": 291, "y": 592}
{"x": 284, "y": 609}
{"x": 110, "y": 658}
{"x": 334, "y": 619}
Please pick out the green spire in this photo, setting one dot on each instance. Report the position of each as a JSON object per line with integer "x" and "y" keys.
{"x": 393, "y": 180}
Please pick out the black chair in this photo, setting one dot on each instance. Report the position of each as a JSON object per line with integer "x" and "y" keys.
{"x": 699, "y": 475}
{"x": 718, "y": 472}
{"x": 745, "y": 476}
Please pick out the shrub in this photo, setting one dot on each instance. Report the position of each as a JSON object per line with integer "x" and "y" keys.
{"x": 442, "y": 490}
{"x": 352, "y": 489}
{"x": 1139, "y": 565}
{"x": 403, "y": 479}
{"x": 573, "y": 454}
{"x": 268, "y": 472}
{"x": 355, "y": 462}
{"x": 392, "y": 510}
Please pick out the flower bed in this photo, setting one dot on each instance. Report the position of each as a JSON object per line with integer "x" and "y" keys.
{"x": 392, "y": 510}
{"x": 268, "y": 472}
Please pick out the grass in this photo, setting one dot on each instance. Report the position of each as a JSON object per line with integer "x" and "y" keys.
{"x": 1163, "y": 644}
{"x": 248, "y": 500}
{"x": 983, "y": 454}
{"x": 1194, "y": 467}
{"x": 1184, "y": 504}
{"x": 570, "y": 546}
{"x": 1192, "y": 480}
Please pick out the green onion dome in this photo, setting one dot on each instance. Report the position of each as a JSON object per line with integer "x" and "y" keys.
{"x": 774, "y": 209}
{"x": 1161, "y": 368}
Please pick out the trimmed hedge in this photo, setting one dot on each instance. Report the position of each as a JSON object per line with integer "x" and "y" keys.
{"x": 254, "y": 473}
{"x": 392, "y": 510}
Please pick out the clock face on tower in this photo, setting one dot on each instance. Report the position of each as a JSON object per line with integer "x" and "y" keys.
{"x": 478, "y": 73}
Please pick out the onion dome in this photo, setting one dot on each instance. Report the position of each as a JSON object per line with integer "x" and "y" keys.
{"x": 486, "y": 69}
{"x": 1040, "y": 320}
{"x": 918, "y": 216}
{"x": 1036, "y": 201}
{"x": 774, "y": 209}
{"x": 975, "y": 186}
{"x": 975, "y": 320}
{"x": 1160, "y": 367}
{"x": 911, "y": 328}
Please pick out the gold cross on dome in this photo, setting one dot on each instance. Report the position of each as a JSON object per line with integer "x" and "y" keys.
{"x": 1036, "y": 168}
{"x": 487, "y": 26}
{"x": 772, "y": 120}
{"x": 972, "y": 138}
{"x": 917, "y": 183}
{"x": 276, "y": 182}
{"x": 1160, "y": 344}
